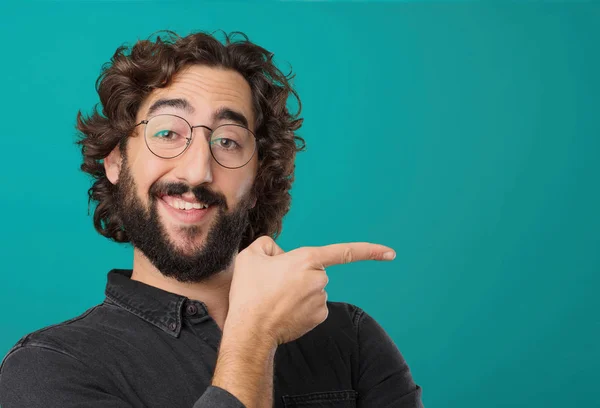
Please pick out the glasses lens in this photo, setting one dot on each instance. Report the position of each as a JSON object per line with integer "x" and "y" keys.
{"x": 167, "y": 136}
{"x": 232, "y": 145}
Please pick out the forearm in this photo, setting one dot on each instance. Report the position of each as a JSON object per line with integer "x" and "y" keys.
{"x": 265, "y": 395}
{"x": 245, "y": 368}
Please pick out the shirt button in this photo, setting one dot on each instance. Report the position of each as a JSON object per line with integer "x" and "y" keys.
{"x": 172, "y": 326}
{"x": 191, "y": 309}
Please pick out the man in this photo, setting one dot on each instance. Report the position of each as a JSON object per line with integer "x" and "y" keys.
{"x": 193, "y": 158}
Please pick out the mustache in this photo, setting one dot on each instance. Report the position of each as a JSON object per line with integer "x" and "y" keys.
{"x": 201, "y": 192}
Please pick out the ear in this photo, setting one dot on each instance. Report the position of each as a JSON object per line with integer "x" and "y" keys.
{"x": 253, "y": 203}
{"x": 112, "y": 165}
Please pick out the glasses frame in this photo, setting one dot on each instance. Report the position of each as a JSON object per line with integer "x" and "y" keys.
{"x": 189, "y": 139}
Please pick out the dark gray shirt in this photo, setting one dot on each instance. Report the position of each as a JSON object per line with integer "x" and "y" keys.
{"x": 145, "y": 347}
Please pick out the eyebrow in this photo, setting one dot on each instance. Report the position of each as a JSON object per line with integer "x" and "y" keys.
{"x": 223, "y": 113}
{"x": 177, "y": 103}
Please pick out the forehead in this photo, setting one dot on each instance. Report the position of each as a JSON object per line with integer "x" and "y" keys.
{"x": 207, "y": 89}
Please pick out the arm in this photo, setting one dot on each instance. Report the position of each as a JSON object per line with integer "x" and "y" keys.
{"x": 384, "y": 379}
{"x": 245, "y": 367}
{"x": 274, "y": 298}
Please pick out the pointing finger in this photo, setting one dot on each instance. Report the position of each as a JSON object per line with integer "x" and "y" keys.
{"x": 337, "y": 254}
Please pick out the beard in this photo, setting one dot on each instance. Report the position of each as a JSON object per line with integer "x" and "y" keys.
{"x": 194, "y": 262}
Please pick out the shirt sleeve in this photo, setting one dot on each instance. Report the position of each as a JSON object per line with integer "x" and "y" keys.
{"x": 216, "y": 397}
{"x": 39, "y": 377}
{"x": 384, "y": 379}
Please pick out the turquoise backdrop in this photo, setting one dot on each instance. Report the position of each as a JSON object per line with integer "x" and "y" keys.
{"x": 464, "y": 135}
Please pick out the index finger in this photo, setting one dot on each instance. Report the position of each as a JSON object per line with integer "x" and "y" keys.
{"x": 336, "y": 254}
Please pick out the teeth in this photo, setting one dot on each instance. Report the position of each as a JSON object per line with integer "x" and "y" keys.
{"x": 184, "y": 205}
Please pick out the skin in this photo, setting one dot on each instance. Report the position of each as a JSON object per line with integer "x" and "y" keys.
{"x": 207, "y": 89}
{"x": 266, "y": 297}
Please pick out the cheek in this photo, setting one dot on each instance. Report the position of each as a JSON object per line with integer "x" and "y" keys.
{"x": 243, "y": 189}
{"x": 234, "y": 186}
{"x": 146, "y": 170}
{"x": 246, "y": 181}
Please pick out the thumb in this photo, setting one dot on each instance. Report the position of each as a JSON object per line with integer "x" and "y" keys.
{"x": 267, "y": 246}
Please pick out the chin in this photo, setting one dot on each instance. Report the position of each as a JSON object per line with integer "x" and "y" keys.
{"x": 187, "y": 239}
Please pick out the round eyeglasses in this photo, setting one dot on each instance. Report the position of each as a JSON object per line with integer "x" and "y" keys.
{"x": 168, "y": 136}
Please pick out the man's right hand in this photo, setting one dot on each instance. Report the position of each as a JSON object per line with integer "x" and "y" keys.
{"x": 280, "y": 296}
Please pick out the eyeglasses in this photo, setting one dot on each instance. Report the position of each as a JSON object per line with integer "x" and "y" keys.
{"x": 168, "y": 136}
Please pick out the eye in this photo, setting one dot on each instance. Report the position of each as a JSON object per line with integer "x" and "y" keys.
{"x": 165, "y": 134}
{"x": 225, "y": 143}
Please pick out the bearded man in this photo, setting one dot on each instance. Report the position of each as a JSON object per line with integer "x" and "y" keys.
{"x": 192, "y": 156}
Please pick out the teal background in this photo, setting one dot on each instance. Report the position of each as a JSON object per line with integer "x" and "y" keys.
{"x": 464, "y": 135}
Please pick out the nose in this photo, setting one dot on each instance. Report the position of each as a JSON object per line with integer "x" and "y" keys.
{"x": 195, "y": 164}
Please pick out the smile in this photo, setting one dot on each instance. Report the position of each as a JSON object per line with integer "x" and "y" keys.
{"x": 183, "y": 210}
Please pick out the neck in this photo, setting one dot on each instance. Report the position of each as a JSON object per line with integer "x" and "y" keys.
{"x": 213, "y": 292}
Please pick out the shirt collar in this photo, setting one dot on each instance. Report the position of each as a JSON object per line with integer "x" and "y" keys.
{"x": 156, "y": 306}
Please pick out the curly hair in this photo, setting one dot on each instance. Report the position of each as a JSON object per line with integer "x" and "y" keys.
{"x": 134, "y": 72}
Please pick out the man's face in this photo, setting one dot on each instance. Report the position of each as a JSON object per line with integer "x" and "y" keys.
{"x": 188, "y": 245}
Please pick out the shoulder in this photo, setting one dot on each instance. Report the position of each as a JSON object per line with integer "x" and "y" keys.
{"x": 341, "y": 313}
{"x": 346, "y": 315}
{"x": 66, "y": 358}
{"x": 350, "y": 322}
{"x": 341, "y": 325}
{"x": 70, "y": 337}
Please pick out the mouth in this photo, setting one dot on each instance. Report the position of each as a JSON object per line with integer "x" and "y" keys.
{"x": 185, "y": 210}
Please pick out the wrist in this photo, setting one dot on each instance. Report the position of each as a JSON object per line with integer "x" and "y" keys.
{"x": 254, "y": 331}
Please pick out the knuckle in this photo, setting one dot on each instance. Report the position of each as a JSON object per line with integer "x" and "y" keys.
{"x": 309, "y": 258}
{"x": 347, "y": 256}
{"x": 265, "y": 243}
{"x": 264, "y": 239}
{"x": 324, "y": 281}
{"x": 303, "y": 251}
{"x": 375, "y": 255}
{"x": 319, "y": 283}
